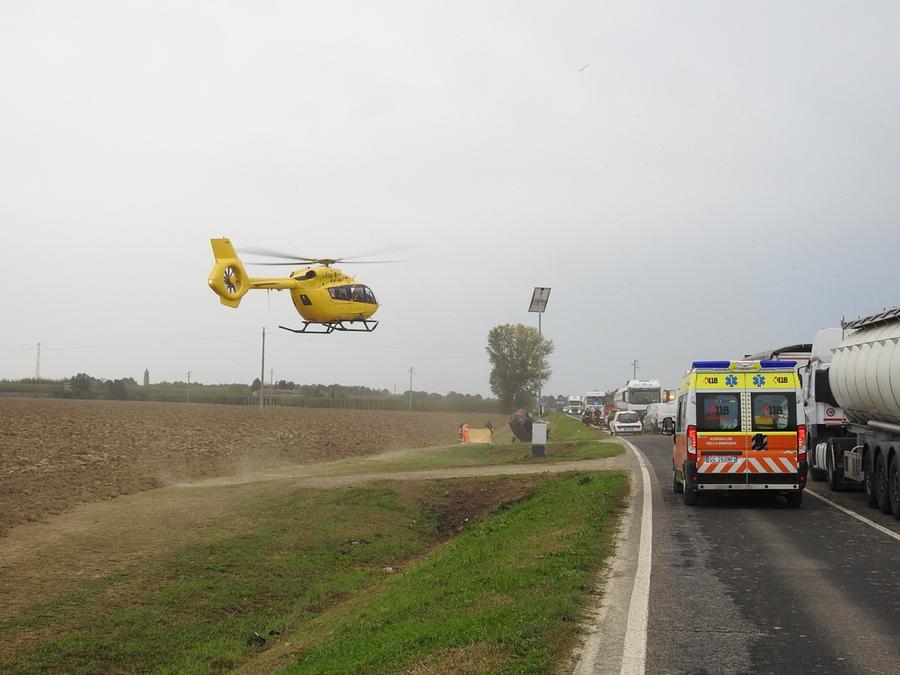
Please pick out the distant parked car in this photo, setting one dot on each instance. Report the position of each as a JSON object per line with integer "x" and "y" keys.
{"x": 625, "y": 422}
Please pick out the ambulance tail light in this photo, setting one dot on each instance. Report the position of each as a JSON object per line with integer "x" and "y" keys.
{"x": 692, "y": 441}
{"x": 801, "y": 441}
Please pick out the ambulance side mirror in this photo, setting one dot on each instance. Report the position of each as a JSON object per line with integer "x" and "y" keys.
{"x": 668, "y": 427}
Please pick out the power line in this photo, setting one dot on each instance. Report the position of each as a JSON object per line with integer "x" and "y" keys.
{"x": 99, "y": 344}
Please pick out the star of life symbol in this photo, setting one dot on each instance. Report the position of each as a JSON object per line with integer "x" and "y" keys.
{"x": 731, "y": 381}
{"x": 759, "y": 380}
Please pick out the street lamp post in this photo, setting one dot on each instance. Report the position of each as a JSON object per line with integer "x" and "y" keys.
{"x": 538, "y": 304}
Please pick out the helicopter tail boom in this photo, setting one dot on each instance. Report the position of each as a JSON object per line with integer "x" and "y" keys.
{"x": 228, "y": 278}
{"x": 230, "y": 281}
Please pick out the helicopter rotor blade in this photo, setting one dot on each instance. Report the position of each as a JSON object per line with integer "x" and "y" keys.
{"x": 377, "y": 251}
{"x": 253, "y": 250}
{"x": 341, "y": 261}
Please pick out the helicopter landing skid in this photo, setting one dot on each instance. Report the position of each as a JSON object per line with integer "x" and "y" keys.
{"x": 331, "y": 326}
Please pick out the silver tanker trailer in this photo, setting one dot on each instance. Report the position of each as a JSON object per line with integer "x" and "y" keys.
{"x": 864, "y": 378}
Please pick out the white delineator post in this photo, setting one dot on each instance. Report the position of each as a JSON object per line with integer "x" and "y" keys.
{"x": 539, "y": 439}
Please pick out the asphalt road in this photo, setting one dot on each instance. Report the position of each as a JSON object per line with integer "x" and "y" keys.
{"x": 745, "y": 584}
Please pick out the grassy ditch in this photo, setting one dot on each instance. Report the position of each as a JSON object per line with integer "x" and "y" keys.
{"x": 434, "y": 575}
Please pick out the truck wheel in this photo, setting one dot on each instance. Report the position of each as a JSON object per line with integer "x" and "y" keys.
{"x": 817, "y": 474}
{"x": 795, "y": 499}
{"x": 894, "y": 486}
{"x": 835, "y": 476}
{"x": 881, "y": 484}
{"x": 677, "y": 487}
{"x": 869, "y": 479}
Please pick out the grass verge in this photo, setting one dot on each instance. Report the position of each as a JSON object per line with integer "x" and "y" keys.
{"x": 570, "y": 440}
{"x": 490, "y": 571}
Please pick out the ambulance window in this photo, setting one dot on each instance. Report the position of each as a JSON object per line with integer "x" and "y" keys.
{"x": 679, "y": 417}
{"x": 774, "y": 412}
{"x": 718, "y": 412}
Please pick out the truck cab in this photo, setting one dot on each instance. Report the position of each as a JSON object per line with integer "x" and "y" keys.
{"x": 824, "y": 417}
{"x": 739, "y": 426}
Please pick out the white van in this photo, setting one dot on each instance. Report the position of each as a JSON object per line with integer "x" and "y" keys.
{"x": 656, "y": 413}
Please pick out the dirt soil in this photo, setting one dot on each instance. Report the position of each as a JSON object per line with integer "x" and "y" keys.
{"x": 56, "y": 454}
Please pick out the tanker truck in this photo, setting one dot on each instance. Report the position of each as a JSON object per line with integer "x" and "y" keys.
{"x": 864, "y": 380}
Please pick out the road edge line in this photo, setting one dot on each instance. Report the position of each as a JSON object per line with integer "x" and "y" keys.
{"x": 634, "y": 654}
{"x": 870, "y": 523}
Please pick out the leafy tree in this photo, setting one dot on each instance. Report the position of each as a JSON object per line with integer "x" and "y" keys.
{"x": 115, "y": 390}
{"x": 255, "y": 385}
{"x": 519, "y": 362}
{"x": 82, "y": 386}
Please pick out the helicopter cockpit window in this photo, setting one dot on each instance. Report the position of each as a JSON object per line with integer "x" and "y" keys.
{"x": 355, "y": 293}
{"x": 339, "y": 292}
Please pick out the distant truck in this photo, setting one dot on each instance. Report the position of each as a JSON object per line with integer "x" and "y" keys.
{"x": 858, "y": 436}
{"x": 636, "y": 395}
{"x": 595, "y": 399}
{"x": 573, "y": 405}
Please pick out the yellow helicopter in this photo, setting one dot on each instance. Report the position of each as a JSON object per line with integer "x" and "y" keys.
{"x": 325, "y": 297}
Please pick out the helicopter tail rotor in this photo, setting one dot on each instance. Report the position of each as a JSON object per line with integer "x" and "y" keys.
{"x": 228, "y": 279}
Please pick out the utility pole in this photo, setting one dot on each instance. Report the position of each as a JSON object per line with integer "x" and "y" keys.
{"x": 189, "y": 387}
{"x": 272, "y": 378}
{"x": 37, "y": 363}
{"x": 262, "y": 369}
{"x": 411, "y": 373}
{"x": 634, "y": 369}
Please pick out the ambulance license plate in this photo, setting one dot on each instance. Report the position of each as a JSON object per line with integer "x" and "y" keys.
{"x": 719, "y": 459}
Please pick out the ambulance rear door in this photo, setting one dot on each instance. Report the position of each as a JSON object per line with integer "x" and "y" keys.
{"x": 722, "y": 442}
{"x": 771, "y": 415}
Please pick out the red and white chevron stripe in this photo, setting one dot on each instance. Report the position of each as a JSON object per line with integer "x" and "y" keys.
{"x": 750, "y": 465}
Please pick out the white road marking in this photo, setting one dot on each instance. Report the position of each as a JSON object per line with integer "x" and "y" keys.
{"x": 868, "y": 522}
{"x": 634, "y": 654}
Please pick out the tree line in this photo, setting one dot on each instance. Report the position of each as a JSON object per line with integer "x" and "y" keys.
{"x": 285, "y": 392}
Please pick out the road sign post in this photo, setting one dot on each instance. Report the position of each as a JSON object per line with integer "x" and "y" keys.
{"x": 538, "y": 304}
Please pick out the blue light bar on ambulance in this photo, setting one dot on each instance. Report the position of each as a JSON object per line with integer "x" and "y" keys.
{"x": 711, "y": 364}
{"x": 743, "y": 365}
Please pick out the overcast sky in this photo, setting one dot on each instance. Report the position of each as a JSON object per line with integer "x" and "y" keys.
{"x": 692, "y": 179}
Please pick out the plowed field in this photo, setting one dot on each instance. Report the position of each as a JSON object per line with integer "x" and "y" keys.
{"x": 55, "y": 454}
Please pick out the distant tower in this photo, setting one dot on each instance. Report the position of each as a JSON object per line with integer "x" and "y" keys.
{"x": 146, "y": 377}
